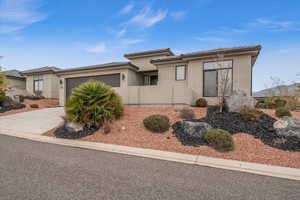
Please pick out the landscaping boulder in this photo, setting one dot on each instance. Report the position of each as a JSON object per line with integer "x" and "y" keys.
{"x": 73, "y": 126}
{"x": 191, "y": 133}
{"x": 238, "y": 100}
{"x": 8, "y": 102}
{"x": 288, "y": 127}
{"x": 287, "y": 134}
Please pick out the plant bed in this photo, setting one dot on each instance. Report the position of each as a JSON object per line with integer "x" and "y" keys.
{"x": 130, "y": 131}
{"x": 43, "y": 103}
{"x": 234, "y": 123}
{"x": 12, "y": 107}
{"x": 63, "y": 132}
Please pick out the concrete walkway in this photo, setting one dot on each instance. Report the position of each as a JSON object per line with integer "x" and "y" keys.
{"x": 33, "y": 122}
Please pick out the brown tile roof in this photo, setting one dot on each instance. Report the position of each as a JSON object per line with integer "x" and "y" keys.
{"x": 155, "y": 51}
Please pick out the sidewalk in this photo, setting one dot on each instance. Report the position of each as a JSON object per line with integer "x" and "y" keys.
{"x": 268, "y": 170}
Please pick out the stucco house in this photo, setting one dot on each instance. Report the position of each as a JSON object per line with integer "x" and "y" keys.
{"x": 42, "y": 80}
{"x": 16, "y": 83}
{"x": 156, "y": 76}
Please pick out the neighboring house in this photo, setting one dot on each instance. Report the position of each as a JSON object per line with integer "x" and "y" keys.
{"x": 160, "y": 77}
{"x": 42, "y": 80}
{"x": 156, "y": 76}
{"x": 16, "y": 83}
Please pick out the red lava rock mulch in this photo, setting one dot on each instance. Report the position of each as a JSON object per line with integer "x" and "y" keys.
{"x": 43, "y": 103}
{"x": 247, "y": 148}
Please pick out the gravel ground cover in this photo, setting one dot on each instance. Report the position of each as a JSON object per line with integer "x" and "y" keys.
{"x": 43, "y": 103}
{"x": 129, "y": 131}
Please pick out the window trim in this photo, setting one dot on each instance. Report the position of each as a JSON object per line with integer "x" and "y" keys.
{"x": 217, "y": 78}
{"x": 40, "y": 78}
{"x": 184, "y": 72}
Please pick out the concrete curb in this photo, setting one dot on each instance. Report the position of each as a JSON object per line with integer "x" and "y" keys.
{"x": 268, "y": 170}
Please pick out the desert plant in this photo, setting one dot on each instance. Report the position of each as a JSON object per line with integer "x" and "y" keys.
{"x": 269, "y": 103}
{"x": 2, "y": 96}
{"x": 187, "y": 113}
{"x": 201, "y": 102}
{"x": 292, "y": 102}
{"x": 93, "y": 103}
{"x": 281, "y": 112}
{"x": 250, "y": 114}
{"x": 34, "y": 106}
{"x": 157, "y": 123}
{"x": 280, "y": 103}
{"x": 220, "y": 139}
{"x": 3, "y": 80}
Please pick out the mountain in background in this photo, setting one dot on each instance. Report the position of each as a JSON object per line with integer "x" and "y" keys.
{"x": 282, "y": 90}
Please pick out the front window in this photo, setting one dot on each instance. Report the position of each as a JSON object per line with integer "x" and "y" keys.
{"x": 180, "y": 73}
{"x": 217, "y": 78}
{"x": 150, "y": 79}
{"x": 38, "y": 83}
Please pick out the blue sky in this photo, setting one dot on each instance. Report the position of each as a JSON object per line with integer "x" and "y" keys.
{"x": 70, "y": 33}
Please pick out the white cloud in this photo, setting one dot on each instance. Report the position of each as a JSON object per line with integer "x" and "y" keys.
{"x": 273, "y": 25}
{"x": 178, "y": 15}
{"x": 98, "y": 48}
{"x": 131, "y": 41}
{"x": 121, "y": 32}
{"x": 147, "y": 17}
{"x": 126, "y": 9}
{"x": 18, "y": 14}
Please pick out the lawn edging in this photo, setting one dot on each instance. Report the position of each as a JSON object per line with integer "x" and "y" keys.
{"x": 254, "y": 168}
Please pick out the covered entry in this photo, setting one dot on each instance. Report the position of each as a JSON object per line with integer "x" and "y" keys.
{"x": 109, "y": 79}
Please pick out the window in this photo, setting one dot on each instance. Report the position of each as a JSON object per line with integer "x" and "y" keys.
{"x": 217, "y": 78}
{"x": 37, "y": 83}
{"x": 180, "y": 73}
{"x": 150, "y": 79}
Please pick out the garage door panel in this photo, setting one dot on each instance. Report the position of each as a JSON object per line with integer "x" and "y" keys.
{"x": 109, "y": 79}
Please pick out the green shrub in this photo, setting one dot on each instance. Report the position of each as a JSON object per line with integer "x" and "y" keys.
{"x": 187, "y": 113}
{"x": 157, "y": 123}
{"x": 270, "y": 103}
{"x": 281, "y": 112}
{"x": 34, "y": 106}
{"x": 280, "y": 103}
{"x": 201, "y": 102}
{"x": 250, "y": 114}
{"x": 2, "y": 96}
{"x": 93, "y": 103}
{"x": 22, "y": 98}
{"x": 220, "y": 139}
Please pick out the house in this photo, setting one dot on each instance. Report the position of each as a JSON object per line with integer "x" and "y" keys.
{"x": 161, "y": 77}
{"x": 156, "y": 76}
{"x": 42, "y": 80}
{"x": 16, "y": 83}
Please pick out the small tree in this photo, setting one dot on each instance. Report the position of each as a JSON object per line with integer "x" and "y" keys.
{"x": 224, "y": 83}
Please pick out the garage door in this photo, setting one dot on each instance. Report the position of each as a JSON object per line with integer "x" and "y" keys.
{"x": 109, "y": 79}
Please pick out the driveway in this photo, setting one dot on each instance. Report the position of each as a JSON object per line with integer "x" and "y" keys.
{"x": 34, "y": 170}
{"x": 33, "y": 122}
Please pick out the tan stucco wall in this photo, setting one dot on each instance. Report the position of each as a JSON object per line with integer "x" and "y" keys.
{"x": 50, "y": 85}
{"x": 16, "y": 83}
{"x": 16, "y": 87}
{"x": 134, "y": 78}
{"x": 144, "y": 63}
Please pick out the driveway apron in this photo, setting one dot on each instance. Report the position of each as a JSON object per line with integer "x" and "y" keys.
{"x": 32, "y": 122}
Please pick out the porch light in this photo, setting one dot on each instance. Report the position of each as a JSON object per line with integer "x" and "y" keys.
{"x": 60, "y": 82}
{"x": 123, "y": 77}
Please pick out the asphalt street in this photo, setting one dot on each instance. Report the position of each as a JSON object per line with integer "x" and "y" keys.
{"x": 34, "y": 170}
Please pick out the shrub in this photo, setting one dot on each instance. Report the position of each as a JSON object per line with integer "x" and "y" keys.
{"x": 187, "y": 113}
{"x": 201, "y": 102}
{"x": 220, "y": 139}
{"x": 269, "y": 103}
{"x": 280, "y": 103}
{"x": 2, "y": 96}
{"x": 250, "y": 114}
{"x": 281, "y": 112}
{"x": 22, "y": 98}
{"x": 34, "y": 105}
{"x": 93, "y": 103}
{"x": 292, "y": 103}
{"x": 157, "y": 123}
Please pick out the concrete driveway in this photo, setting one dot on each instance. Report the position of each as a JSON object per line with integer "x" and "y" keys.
{"x": 33, "y": 122}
